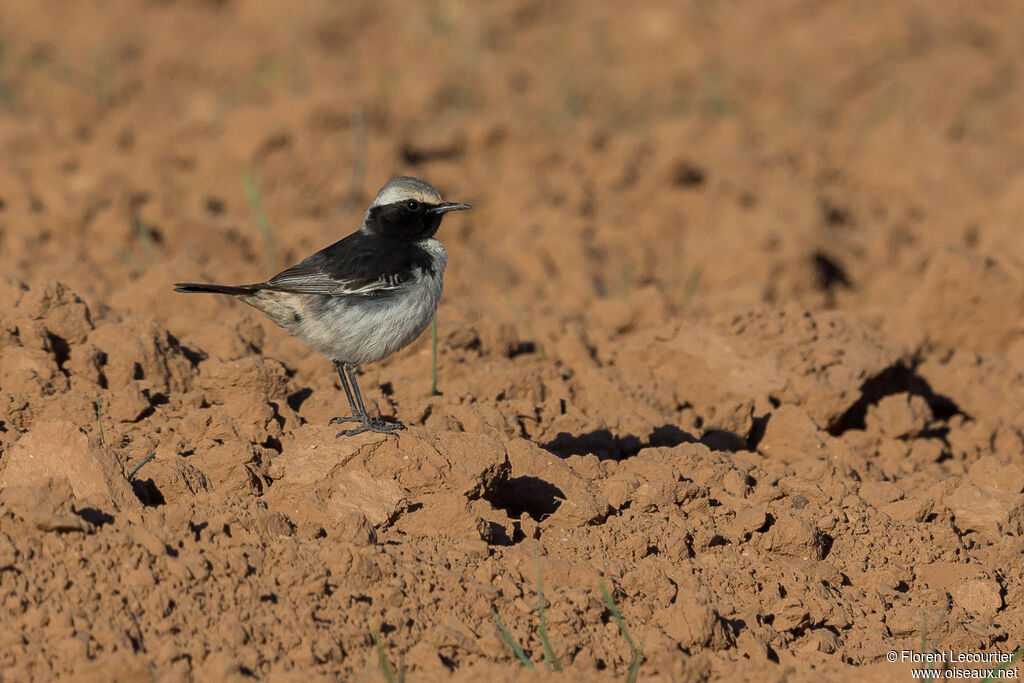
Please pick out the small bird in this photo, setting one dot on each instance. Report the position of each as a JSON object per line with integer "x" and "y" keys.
{"x": 365, "y": 297}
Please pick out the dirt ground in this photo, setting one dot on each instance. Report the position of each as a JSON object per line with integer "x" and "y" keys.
{"x": 734, "y": 329}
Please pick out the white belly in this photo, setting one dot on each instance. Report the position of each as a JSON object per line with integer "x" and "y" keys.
{"x": 368, "y": 330}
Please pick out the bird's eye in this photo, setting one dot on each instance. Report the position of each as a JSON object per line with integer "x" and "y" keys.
{"x": 412, "y": 205}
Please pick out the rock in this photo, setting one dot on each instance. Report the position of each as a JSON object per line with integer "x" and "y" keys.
{"x": 962, "y": 299}
{"x": 30, "y": 372}
{"x": 747, "y": 521}
{"x": 228, "y": 466}
{"x": 57, "y": 448}
{"x": 660, "y": 485}
{"x": 142, "y": 351}
{"x": 691, "y": 620}
{"x": 71, "y": 321}
{"x": 353, "y": 527}
{"x": 147, "y": 539}
{"x": 988, "y": 387}
{"x": 582, "y": 503}
{"x": 878, "y": 493}
{"x": 468, "y": 464}
{"x": 904, "y": 620}
{"x": 649, "y": 480}
{"x": 379, "y": 500}
{"x": 985, "y": 510}
{"x": 86, "y": 361}
{"x": 8, "y": 553}
{"x": 789, "y": 614}
{"x": 978, "y": 596}
{"x": 462, "y": 520}
{"x": 262, "y": 377}
{"x": 821, "y": 640}
{"x": 793, "y": 536}
{"x": 128, "y": 404}
{"x": 12, "y": 290}
{"x": 48, "y": 504}
{"x": 791, "y": 435}
{"x": 970, "y": 586}
{"x": 899, "y": 416}
{"x": 989, "y": 499}
{"x": 323, "y": 479}
{"x": 174, "y": 477}
{"x": 914, "y": 509}
{"x": 989, "y": 471}
{"x": 618, "y": 488}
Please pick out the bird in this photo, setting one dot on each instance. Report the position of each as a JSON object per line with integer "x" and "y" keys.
{"x": 366, "y": 296}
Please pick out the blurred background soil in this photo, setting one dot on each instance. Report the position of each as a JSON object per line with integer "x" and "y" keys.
{"x": 733, "y": 329}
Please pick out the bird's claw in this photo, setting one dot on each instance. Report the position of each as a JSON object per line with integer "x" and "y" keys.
{"x": 343, "y": 420}
{"x": 373, "y": 424}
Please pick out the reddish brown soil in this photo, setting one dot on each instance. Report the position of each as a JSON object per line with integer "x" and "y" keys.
{"x": 734, "y": 329}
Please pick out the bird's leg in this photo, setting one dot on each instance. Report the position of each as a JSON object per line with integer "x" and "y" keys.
{"x": 351, "y": 371}
{"x": 356, "y": 415}
{"x": 370, "y": 424}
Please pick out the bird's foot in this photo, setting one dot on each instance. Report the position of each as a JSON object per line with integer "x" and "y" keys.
{"x": 343, "y": 420}
{"x": 373, "y": 424}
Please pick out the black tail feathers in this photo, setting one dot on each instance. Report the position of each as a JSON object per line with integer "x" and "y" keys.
{"x": 191, "y": 287}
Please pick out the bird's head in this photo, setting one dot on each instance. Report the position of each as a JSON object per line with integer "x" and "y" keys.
{"x": 408, "y": 209}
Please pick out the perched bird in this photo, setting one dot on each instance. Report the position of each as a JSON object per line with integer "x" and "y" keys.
{"x": 366, "y": 296}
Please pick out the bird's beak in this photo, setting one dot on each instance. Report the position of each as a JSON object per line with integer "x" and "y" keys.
{"x": 449, "y": 206}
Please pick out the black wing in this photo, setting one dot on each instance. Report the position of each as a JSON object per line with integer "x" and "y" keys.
{"x": 358, "y": 265}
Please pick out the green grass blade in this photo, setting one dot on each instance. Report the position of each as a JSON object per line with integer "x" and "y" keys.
{"x": 131, "y": 475}
{"x": 550, "y": 658}
{"x": 433, "y": 344}
{"x": 521, "y": 318}
{"x": 360, "y": 147}
{"x": 925, "y": 648}
{"x": 634, "y": 666}
{"x": 511, "y": 641}
{"x": 257, "y": 81}
{"x": 252, "y": 194}
{"x": 636, "y": 653}
{"x": 382, "y": 656}
{"x": 692, "y": 282}
{"x": 1010, "y": 662}
{"x": 145, "y": 239}
{"x": 627, "y": 279}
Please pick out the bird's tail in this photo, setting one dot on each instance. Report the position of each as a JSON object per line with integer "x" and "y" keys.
{"x": 191, "y": 287}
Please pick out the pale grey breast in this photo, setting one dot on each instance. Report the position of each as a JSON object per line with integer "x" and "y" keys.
{"x": 359, "y": 329}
